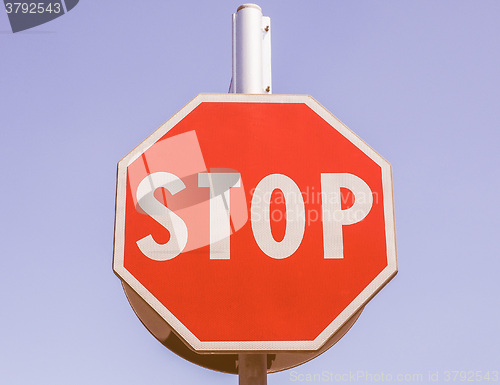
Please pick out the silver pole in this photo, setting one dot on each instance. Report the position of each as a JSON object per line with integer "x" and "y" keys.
{"x": 252, "y": 369}
{"x": 251, "y": 75}
{"x": 251, "y": 51}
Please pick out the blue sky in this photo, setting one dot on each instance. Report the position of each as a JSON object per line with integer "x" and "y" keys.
{"x": 417, "y": 80}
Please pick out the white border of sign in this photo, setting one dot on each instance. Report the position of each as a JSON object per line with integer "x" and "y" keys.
{"x": 241, "y": 346}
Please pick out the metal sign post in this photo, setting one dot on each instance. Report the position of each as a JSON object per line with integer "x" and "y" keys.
{"x": 252, "y": 369}
{"x": 251, "y": 51}
{"x": 251, "y": 75}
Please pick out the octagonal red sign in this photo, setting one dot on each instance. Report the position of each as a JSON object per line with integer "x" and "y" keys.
{"x": 254, "y": 222}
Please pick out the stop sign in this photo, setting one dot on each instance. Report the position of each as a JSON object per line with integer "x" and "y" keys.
{"x": 254, "y": 223}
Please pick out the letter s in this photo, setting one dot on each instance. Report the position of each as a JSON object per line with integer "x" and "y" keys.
{"x": 161, "y": 214}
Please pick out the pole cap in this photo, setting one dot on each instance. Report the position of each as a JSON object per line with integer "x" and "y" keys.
{"x": 249, "y": 5}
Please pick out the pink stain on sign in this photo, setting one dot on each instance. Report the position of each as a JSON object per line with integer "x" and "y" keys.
{"x": 182, "y": 156}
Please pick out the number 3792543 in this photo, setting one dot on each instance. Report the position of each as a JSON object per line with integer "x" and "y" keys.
{"x": 54, "y": 7}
